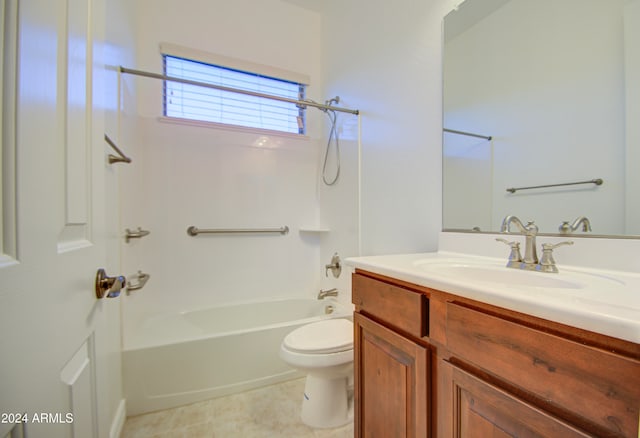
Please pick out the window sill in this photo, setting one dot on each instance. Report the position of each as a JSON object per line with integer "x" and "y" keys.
{"x": 226, "y": 127}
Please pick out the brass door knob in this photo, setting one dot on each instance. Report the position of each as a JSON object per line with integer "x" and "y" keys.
{"x": 109, "y": 286}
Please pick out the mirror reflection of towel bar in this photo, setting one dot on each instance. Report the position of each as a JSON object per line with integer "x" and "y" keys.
{"x": 468, "y": 134}
{"x": 597, "y": 182}
{"x": 194, "y": 231}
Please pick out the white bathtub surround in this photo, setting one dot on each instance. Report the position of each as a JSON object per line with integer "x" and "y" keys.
{"x": 214, "y": 177}
{"x": 339, "y": 204}
{"x": 269, "y": 412}
{"x": 180, "y": 358}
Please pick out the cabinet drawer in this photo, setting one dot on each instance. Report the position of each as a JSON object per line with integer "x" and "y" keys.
{"x": 592, "y": 385}
{"x": 400, "y": 308}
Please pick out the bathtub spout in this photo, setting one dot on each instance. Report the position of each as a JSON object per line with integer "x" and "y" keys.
{"x": 327, "y": 293}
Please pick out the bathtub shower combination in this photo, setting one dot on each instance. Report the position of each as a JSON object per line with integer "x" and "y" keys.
{"x": 175, "y": 359}
{"x": 182, "y": 358}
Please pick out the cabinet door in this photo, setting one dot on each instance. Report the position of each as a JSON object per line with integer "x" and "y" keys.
{"x": 572, "y": 379}
{"x": 391, "y": 383}
{"x": 481, "y": 410}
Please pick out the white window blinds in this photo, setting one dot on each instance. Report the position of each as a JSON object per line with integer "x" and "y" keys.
{"x": 199, "y": 103}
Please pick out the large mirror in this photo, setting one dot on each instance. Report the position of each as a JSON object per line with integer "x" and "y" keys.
{"x": 542, "y": 93}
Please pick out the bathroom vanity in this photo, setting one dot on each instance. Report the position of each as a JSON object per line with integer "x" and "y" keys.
{"x": 439, "y": 353}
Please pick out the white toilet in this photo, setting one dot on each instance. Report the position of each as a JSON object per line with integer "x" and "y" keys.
{"x": 323, "y": 350}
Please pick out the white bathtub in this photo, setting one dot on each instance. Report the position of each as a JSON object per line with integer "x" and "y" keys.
{"x": 181, "y": 358}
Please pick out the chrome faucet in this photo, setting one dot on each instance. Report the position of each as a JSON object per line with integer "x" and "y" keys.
{"x": 530, "y": 260}
{"x": 327, "y": 293}
{"x": 530, "y": 231}
{"x": 566, "y": 228}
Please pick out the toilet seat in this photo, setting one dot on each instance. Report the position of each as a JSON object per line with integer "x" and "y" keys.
{"x": 322, "y": 337}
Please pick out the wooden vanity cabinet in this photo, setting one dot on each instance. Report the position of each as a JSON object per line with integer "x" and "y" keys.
{"x": 430, "y": 363}
{"x": 391, "y": 369}
{"x": 587, "y": 386}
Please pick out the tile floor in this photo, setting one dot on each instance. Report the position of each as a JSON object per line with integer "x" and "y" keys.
{"x": 270, "y": 412}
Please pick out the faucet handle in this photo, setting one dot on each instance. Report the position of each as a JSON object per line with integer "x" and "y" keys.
{"x": 532, "y": 228}
{"x": 552, "y": 246}
{"x": 506, "y": 242}
{"x": 334, "y": 266}
{"x": 547, "y": 263}
{"x": 515, "y": 258}
{"x": 564, "y": 228}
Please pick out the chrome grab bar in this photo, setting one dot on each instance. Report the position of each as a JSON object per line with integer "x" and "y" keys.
{"x": 137, "y": 234}
{"x": 194, "y": 231}
{"x": 142, "y": 280}
{"x": 122, "y": 158}
{"x": 597, "y": 181}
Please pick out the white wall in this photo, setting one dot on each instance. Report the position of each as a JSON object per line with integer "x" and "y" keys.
{"x": 467, "y": 182}
{"x": 528, "y": 90}
{"x": 211, "y": 177}
{"x": 117, "y": 50}
{"x": 271, "y": 32}
{"x": 384, "y": 58}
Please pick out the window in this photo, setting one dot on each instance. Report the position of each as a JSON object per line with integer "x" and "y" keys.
{"x": 207, "y": 104}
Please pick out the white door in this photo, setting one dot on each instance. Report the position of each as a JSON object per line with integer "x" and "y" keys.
{"x": 53, "y": 218}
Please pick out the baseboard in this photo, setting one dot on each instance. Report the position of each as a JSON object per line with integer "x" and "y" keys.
{"x": 118, "y": 420}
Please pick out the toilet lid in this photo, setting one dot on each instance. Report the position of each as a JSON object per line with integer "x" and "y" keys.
{"x": 328, "y": 336}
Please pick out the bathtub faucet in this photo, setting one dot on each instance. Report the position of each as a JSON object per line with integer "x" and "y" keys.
{"x": 327, "y": 293}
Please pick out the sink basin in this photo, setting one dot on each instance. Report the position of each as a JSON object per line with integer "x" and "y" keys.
{"x": 497, "y": 275}
{"x": 603, "y": 301}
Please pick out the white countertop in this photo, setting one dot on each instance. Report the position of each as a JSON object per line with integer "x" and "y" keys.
{"x": 606, "y": 302}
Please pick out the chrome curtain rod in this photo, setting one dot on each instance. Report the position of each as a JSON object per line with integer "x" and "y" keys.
{"x": 469, "y": 134}
{"x": 597, "y": 181}
{"x": 305, "y": 103}
{"x": 194, "y": 231}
